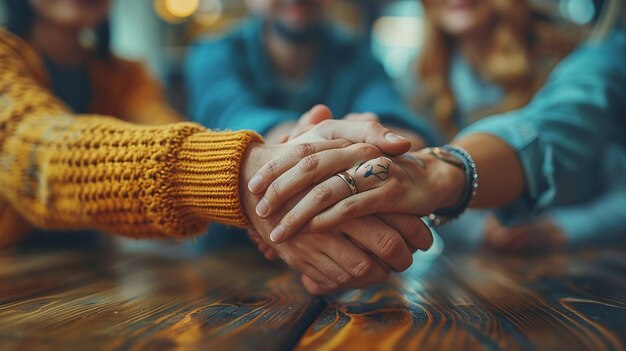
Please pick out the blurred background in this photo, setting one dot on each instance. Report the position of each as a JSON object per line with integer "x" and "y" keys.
{"x": 159, "y": 31}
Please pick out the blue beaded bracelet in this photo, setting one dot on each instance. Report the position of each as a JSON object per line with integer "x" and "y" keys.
{"x": 444, "y": 215}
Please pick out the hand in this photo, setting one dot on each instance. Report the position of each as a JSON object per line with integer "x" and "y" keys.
{"x": 540, "y": 236}
{"x": 415, "y": 183}
{"x": 369, "y": 138}
{"x": 336, "y": 260}
{"x": 319, "y": 114}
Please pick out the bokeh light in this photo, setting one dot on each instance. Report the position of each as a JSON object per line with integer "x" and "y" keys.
{"x": 174, "y": 11}
{"x": 182, "y": 8}
{"x": 209, "y": 12}
{"x": 578, "y": 11}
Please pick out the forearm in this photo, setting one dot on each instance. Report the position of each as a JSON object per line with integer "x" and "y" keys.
{"x": 138, "y": 181}
{"x": 501, "y": 177}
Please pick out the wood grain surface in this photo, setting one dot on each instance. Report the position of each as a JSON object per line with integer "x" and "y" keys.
{"x": 236, "y": 301}
{"x": 559, "y": 302}
{"x": 233, "y": 301}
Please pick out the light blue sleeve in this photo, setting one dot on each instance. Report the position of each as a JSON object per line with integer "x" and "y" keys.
{"x": 219, "y": 97}
{"x": 603, "y": 220}
{"x": 599, "y": 222}
{"x": 378, "y": 95}
{"x": 566, "y": 125}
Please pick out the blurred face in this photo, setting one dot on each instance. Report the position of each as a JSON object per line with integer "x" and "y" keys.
{"x": 294, "y": 15}
{"x": 460, "y": 17}
{"x": 75, "y": 14}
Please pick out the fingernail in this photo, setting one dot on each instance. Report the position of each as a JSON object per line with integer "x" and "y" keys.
{"x": 262, "y": 208}
{"x": 255, "y": 184}
{"x": 394, "y": 137}
{"x": 277, "y": 234}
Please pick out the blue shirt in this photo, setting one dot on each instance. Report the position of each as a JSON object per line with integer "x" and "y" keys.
{"x": 563, "y": 136}
{"x": 232, "y": 85}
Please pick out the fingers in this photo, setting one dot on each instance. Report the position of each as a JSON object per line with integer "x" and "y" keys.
{"x": 332, "y": 195}
{"x": 299, "y": 131}
{"x": 331, "y": 260}
{"x": 308, "y": 120}
{"x": 363, "y": 269}
{"x": 311, "y": 170}
{"x": 415, "y": 232}
{"x": 369, "y": 132}
{"x": 283, "y": 138}
{"x": 273, "y": 169}
{"x": 315, "y": 115}
{"x": 381, "y": 240}
{"x": 313, "y": 287}
{"x": 315, "y": 272}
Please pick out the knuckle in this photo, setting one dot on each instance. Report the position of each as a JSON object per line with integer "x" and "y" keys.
{"x": 373, "y": 125}
{"x": 362, "y": 269}
{"x": 288, "y": 221}
{"x": 389, "y": 246}
{"x": 309, "y": 163}
{"x": 303, "y": 150}
{"x": 343, "y": 278}
{"x": 271, "y": 167}
{"x": 411, "y": 227}
{"x": 343, "y": 142}
{"x": 325, "y": 123}
{"x": 371, "y": 116}
{"x": 273, "y": 190}
{"x": 322, "y": 193}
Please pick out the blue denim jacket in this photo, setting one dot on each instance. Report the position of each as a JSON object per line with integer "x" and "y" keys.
{"x": 572, "y": 130}
{"x": 232, "y": 85}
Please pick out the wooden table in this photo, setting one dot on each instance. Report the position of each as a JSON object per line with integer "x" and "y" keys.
{"x": 237, "y": 301}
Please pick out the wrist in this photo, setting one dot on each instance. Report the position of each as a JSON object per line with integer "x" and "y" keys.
{"x": 446, "y": 181}
{"x": 205, "y": 176}
{"x": 253, "y": 159}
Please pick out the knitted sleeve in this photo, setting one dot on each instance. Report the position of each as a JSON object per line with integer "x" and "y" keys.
{"x": 63, "y": 171}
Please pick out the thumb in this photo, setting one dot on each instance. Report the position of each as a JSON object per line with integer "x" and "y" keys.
{"x": 315, "y": 115}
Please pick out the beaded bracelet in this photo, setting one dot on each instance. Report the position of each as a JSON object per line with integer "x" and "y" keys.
{"x": 444, "y": 215}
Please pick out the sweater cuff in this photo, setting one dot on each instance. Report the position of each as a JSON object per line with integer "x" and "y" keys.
{"x": 207, "y": 176}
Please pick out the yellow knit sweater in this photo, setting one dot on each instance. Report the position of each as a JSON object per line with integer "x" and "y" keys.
{"x": 59, "y": 170}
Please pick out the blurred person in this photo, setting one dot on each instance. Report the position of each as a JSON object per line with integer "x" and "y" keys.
{"x": 485, "y": 57}
{"x": 88, "y": 142}
{"x": 282, "y": 61}
{"x": 285, "y": 59}
{"x": 521, "y": 162}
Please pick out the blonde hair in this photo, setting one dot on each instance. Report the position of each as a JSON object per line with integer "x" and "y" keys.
{"x": 520, "y": 35}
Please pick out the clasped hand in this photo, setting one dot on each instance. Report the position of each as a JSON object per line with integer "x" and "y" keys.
{"x": 298, "y": 208}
